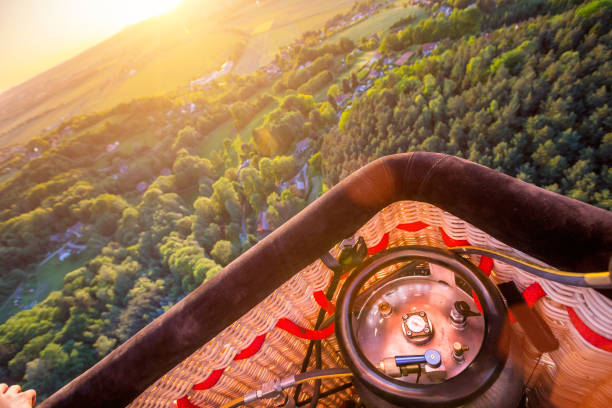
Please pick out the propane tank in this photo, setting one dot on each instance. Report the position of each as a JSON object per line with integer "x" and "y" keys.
{"x": 424, "y": 327}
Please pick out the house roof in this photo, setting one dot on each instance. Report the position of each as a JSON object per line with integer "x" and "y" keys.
{"x": 142, "y": 186}
{"x": 404, "y": 58}
{"x": 429, "y": 46}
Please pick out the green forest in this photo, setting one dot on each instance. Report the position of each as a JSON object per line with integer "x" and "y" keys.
{"x": 142, "y": 203}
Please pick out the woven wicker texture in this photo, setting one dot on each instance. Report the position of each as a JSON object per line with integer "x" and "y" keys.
{"x": 578, "y": 373}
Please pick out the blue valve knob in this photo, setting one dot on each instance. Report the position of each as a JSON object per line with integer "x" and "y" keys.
{"x": 431, "y": 357}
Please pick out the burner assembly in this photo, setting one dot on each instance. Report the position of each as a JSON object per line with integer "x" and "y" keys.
{"x": 417, "y": 327}
{"x": 413, "y": 334}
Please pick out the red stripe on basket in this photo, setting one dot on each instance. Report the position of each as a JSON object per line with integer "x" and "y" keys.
{"x": 452, "y": 242}
{"x": 185, "y": 403}
{"x": 533, "y": 293}
{"x": 289, "y": 326}
{"x": 324, "y": 302}
{"x": 210, "y": 381}
{"x": 252, "y": 348}
{"x": 413, "y": 226}
{"x": 384, "y": 241}
{"x": 486, "y": 265}
{"x": 255, "y": 346}
{"x": 587, "y": 333}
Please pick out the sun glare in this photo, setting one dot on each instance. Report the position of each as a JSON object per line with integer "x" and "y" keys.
{"x": 134, "y": 11}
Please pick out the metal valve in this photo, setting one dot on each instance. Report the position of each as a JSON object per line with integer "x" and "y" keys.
{"x": 400, "y": 366}
{"x": 459, "y": 351}
{"x": 459, "y": 314}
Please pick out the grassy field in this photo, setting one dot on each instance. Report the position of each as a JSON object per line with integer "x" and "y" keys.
{"x": 147, "y": 67}
{"x": 155, "y": 57}
{"x": 376, "y": 24}
{"x": 49, "y": 277}
{"x": 214, "y": 140}
{"x": 280, "y": 24}
{"x": 247, "y": 131}
{"x": 147, "y": 138}
{"x": 175, "y": 66}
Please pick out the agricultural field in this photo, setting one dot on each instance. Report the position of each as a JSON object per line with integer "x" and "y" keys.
{"x": 155, "y": 57}
{"x": 279, "y": 25}
{"x": 146, "y": 139}
{"x": 379, "y": 23}
{"x": 195, "y": 56}
{"x": 138, "y": 62}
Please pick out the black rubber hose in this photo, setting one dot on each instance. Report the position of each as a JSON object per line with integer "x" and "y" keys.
{"x": 323, "y": 373}
{"x": 331, "y": 262}
{"x": 317, "y": 387}
{"x": 596, "y": 280}
{"x": 327, "y": 393}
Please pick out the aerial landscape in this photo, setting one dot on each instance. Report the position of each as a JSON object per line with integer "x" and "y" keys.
{"x": 141, "y": 166}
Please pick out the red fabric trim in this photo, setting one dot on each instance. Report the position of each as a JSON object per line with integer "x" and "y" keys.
{"x": 477, "y": 301}
{"x": 384, "y": 241}
{"x": 255, "y": 346}
{"x": 587, "y": 333}
{"x": 452, "y": 242}
{"x": 252, "y": 348}
{"x": 290, "y": 327}
{"x": 324, "y": 302}
{"x": 486, "y": 265}
{"x": 413, "y": 226}
{"x": 210, "y": 381}
{"x": 184, "y": 402}
{"x": 533, "y": 293}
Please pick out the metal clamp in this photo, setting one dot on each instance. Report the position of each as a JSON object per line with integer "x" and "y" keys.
{"x": 270, "y": 389}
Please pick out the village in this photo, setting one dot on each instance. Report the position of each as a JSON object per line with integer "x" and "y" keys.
{"x": 366, "y": 61}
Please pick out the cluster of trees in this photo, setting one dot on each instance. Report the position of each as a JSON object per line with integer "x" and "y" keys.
{"x": 402, "y": 22}
{"x": 310, "y": 61}
{"x": 297, "y": 117}
{"x": 506, "y": 12}
{"x": 234, "y": 88}
{"x": 244, "y": 111}
{"x": 305, "y": 54}
{"x": 159, "y": 248}
{"x": 283, "y": 126}
{"x": 532, "y": 102}
{"x": 151, "y": 261}
{"x": 316, "y": 83}
{"x": 25, "y": 238}
{"x": 460, "y": 23}
{"x": 136, "y": 274}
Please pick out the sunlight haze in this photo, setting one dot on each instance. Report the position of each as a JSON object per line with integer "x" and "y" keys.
{"x": 39, "y": 34}
{"x": 205, "y": 201}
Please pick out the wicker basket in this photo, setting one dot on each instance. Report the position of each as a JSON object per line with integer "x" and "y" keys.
{"x": 577, "y": 374}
